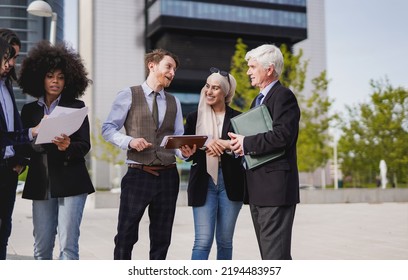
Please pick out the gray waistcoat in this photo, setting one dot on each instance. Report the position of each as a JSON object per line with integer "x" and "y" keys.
{"x": 139, "y": 124}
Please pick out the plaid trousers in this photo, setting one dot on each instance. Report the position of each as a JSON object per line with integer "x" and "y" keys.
{"x": 139, "y": 190}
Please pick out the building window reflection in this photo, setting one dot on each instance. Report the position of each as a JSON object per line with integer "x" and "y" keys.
{"x": 230, "y": 13}
{"x": 289, "y": 2}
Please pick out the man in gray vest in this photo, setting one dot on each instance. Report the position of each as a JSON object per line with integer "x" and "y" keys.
{"x": 147, "y": 113}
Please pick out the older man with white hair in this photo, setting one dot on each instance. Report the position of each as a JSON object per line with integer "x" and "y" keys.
{"x": 272, "y": 189}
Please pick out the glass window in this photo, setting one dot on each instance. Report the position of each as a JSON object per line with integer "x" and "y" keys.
{"x": 288, "y": 2}
{"x": 210, "y": 11}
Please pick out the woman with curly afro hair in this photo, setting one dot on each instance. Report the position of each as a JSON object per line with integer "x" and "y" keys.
{"x": 57, "y": 181}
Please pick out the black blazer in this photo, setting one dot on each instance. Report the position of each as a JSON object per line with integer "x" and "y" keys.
{"x": 275, "y": 183}
{"x": 19, "y": 135}
{"x": 232, "y": 169}
{"x": 62, "y": 172}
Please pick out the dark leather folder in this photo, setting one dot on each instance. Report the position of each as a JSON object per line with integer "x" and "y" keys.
{"x": 257, "y": 120}
{"x": 176, "y": 141}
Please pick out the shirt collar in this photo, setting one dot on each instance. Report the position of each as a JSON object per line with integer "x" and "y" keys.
{"x": 147, "y": 90}
{"x": 268, "y": 88}
{"x": 41, "y": 101}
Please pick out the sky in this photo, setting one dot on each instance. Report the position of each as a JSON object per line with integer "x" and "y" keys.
{"x": 366, "y": 40}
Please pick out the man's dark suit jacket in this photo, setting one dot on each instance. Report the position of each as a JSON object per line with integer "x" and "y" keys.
{"x": 19, "y": 135}
{"x": 64, "y": 171}
{"x": 275, "y": 183}
{"x": 232, "y": 169}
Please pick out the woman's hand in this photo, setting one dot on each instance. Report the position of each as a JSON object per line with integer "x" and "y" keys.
{"x": 187, "y": 152}
{"x": 62, "y": 142}
{"x": 34, "y": 130}
{"x": 216, "y": 147}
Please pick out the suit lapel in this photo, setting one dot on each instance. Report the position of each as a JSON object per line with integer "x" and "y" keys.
{"x": 268, "y": 95}
{"x": 271, "y": 92}
{"x": 226, "y": 124}
{"x": 17, "y": 120}
{"x": 3, "y": 123}
{"x": 18, "y": 125}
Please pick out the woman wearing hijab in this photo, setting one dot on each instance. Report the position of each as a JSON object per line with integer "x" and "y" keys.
{"x": 216, "y": 183}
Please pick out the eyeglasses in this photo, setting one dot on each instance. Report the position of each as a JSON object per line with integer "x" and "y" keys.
{"x": 222, "y": 73}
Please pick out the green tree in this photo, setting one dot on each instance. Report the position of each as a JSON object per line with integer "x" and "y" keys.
{"x": 314, "y": 138}
{"x": 376, "y": 130}
{"x": 294, "y": 70}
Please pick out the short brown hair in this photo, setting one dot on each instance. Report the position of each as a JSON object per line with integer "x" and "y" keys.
{"x": 156, "y": 56}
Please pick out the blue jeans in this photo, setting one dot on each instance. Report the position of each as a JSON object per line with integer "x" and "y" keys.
{"x": 64, "y": 214}
{"x": 219, "y": 215}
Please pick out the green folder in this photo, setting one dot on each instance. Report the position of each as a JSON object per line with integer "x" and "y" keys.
{"x": 257, "y": 120}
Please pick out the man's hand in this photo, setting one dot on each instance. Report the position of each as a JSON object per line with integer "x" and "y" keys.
{"x": 237, "y": 143}
{"x": 18, "y": 168}
{"x": 139, "y": 144}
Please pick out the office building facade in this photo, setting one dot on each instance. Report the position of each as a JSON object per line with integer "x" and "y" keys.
{"x": 204, "y": 34}
{"x": 114, "y": 36}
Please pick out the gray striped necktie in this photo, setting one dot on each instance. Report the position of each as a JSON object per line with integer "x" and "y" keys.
{"x": 155, "y": 111}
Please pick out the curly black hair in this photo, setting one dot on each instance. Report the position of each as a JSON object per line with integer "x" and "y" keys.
{"x": 44, "y": 58}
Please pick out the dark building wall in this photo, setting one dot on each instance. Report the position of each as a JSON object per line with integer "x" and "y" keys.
{"x": 210, "y": 38}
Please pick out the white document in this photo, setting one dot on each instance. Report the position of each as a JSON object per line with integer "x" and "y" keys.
{"x": 61, "y": 111}
{"x": 62, "y": 120}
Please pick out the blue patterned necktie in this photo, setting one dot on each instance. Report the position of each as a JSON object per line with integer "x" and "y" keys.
{"x": 258, "y": 99}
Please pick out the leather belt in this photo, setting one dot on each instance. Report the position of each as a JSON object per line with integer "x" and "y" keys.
{"x": 152, "y": 169}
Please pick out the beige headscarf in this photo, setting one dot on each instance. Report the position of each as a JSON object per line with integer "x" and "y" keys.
{"x": 206, "y": 119}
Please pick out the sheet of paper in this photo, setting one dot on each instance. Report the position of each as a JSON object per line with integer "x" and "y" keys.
{"x": 63, "y": 122}
{"x": 61, "y": 111}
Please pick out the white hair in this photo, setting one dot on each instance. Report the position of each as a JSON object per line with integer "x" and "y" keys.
{"x": 267, "y": 55}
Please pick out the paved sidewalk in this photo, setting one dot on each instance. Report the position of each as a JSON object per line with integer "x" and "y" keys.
{"x": 357, "y": 231}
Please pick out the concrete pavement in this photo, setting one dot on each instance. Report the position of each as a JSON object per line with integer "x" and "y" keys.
{"x": 354, "y": 231}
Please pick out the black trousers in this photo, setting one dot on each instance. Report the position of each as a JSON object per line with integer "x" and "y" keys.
{"x": 140, "y": 190}
{"x": 273, "y": 229}
{"x": 8, "y": 186}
